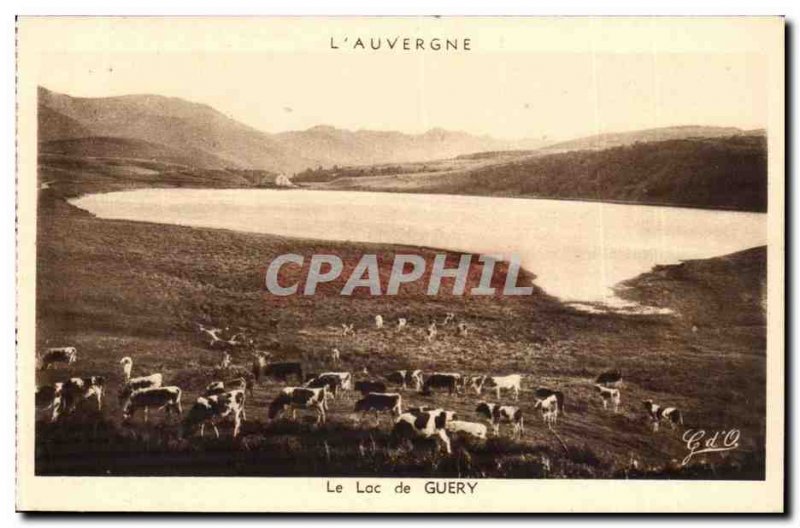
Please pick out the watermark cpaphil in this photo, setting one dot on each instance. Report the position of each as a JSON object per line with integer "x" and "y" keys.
{"x": 405, "y": 269}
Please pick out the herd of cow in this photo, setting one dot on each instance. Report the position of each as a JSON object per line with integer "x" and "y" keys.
{"x": 225, "y": 399}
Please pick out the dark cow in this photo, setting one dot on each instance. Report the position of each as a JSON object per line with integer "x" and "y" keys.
{"x": 657, "y": 413}
{"x": 299, "y": 398}
{"x": 424, "y": 424}
{"x": 52, "y": 356}
{"x": 542, "y": 394}
{"x": 213, "y": 409}
{"x": 377, "y": 401}
{"x": 71, "y": 393}
{"x": 281, "y": 371}
{"x": 365, "y": 387}
{"x": 332, "y": 381}
{"x": 496, "y": 414}
{"x": 167, "y": 398}
{"x": 610, "y": 378}
{"x": 406, "y": 377}
{"x": 47, "y": 397}
{"x": 443, "y": 380}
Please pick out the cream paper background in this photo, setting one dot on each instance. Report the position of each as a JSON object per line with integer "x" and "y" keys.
{"x": 41, "y": 40}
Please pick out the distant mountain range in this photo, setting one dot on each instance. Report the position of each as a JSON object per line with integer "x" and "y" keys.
{"x": 166, "y": 126}
{"x": 169, "y": 129}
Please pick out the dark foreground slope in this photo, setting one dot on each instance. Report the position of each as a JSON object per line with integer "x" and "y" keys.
{"x": 115, "y": 288}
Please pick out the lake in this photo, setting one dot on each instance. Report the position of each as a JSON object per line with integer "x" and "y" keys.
{"x": 578, "y": 250}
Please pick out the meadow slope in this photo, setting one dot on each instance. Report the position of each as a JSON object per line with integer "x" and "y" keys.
{"x": 118, "y": 288}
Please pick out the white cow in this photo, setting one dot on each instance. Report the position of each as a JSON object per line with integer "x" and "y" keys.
{"x": 477, "y": 430}
{"x": 609, "y": 395}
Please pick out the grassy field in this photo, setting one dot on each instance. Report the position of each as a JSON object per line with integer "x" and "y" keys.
{"x": 118, "y": 288}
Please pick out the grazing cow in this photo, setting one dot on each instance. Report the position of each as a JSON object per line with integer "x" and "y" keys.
{"x": 448, "y": 318}
{"x": 380, "y": 401}
{"x": 461, "y": 329}
{"x": 365, "y": 387}
{"x": 543, "y": 393}
{"x": 402, "y": 322}
{"x": 609, "y": 395}
{"x": 152, "y": 381}
{"x": 610, "y": 378}
{"x": 212, "y": 409}
{"x": 75, "y": 390}
{"x": 299, "y": 398}
{"x": 378, "y": 321}
{"x": 213, "y": 335}
{"x": 443, "y": 380}
{"x": 424, "y": 424}
{"x": 348, "y": 330}
{"x": 280, "y": 371}
{"x": 656, "y": 413}
{"x": 549, "y": 407}
{"x": 127, "y": 368}
{"x": 336, "y": 356}
{"x": 332, "y": 383}
{"x": 431, "y": 332}
{"x": 218, "y": 387}
{"x": 511, "y": 382}
{"x": 406, "y": 377}
{"x": 496, "y": 414}
{"x": 167, "y": 398}
{"x": 53, "y": 356}
{"x": 474, "y": 429}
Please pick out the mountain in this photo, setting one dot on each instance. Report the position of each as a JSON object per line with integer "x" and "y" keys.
{"x": 167, "y": 121}
{"x": 620, "y": 139}
{"x": 210, "y": 139}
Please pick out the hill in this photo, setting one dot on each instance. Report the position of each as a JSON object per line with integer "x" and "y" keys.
{"x": 725, "y": 173}
{"x": 620, "y": 139}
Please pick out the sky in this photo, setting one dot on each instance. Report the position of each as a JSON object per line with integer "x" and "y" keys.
{"x": 504, "y": 91}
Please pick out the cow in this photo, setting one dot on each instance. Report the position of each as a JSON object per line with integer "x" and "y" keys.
{"x": 609, "y": 395}
{"x": 380, "y": 401}
{"x": 461, "y": 329}
{"x": 443, "y": 380}
{"x": 431, "y": 335}
{"x": 69, "y": 394}
{"x": 167, "y": 398}
{"x": 402, "y": 322}
{"x": 365, "y": 387}
{"x": 332, "y": 381}
{"x": 511, "y": 382}
{"x": 218, "y": 387}
{"x": 49, "y": 397}
{"x": 127, "y": 368}
{"x": 424, "y": 424}
{"x": 543, "y": 393}
{"x": 299, "y": 398}
{"x": 153, "y": 381}
{"x": 657, "y": 413}
{"x": 378, "y": 321}
{"x": 280, "y": 370}
{"x": 610, "y": 378}
{"x": 549, "y": 407}
{"x": 348, "y": 330}
{"x": 496, "y": 414}
{"x": 474, "y": 429}
{"x": 66, "y": 355}
{"x": 406, "y": 377}
{"x": 336, "y": 356}
{"x": 448, "y": 318}
{"x": 212, "y": 409}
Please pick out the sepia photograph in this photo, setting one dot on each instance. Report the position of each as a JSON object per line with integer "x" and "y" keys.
{"x": 433, "y": 257}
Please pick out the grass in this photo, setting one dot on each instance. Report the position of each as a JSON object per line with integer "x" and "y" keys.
{"x": 118, "y": 288}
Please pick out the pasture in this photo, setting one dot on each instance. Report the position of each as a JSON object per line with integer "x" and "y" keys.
{"x": 116, "y": 288}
